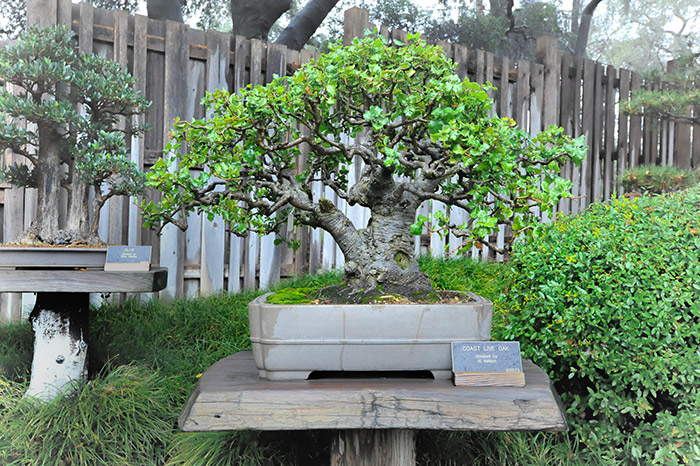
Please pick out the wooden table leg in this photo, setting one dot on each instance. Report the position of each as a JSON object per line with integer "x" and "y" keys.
{"x": 373, "y": 447}
{"x": 60, "y": 324}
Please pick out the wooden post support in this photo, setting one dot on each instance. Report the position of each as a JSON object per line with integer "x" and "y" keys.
{"x": 386, "y": 447}
{"x": 60, "y": 318}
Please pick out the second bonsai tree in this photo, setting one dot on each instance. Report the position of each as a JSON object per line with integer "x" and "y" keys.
{"x": 420, "y": 133}
{"x": 73, "y": 141}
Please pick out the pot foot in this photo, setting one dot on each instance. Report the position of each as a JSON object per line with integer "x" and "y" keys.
{"x": 284, "y": 375}
{"x": 442, "y": 374}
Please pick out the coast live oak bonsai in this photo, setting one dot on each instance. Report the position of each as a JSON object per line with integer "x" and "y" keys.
{"x": 420, "y": 132}
{"x": 72, "y": 140}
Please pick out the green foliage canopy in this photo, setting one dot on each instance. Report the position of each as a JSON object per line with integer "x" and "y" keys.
{"x": 400, "y": 110}
{"x": 74, "y": 103}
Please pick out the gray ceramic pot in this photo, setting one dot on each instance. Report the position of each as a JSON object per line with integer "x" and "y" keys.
{"x": 291, "y": 341}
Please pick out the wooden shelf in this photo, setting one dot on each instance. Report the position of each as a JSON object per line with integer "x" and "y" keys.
{"x": 230, "y": 396}
{"x": 82, "y": 281}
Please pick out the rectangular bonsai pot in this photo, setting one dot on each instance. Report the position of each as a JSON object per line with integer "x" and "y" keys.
{"x": 291, "y": 341}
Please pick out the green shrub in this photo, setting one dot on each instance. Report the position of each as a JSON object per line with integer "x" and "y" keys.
{"x": 657, "y": 179}
{"x": 608, "y": 303}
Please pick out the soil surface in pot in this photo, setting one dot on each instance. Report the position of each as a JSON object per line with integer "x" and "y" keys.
{"x": 340, "y": 294}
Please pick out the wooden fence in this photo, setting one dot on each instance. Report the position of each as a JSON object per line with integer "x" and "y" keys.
{"x": 175, "y": 65}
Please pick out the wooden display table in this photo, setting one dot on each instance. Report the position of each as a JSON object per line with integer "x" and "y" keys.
{"x": 61, "y": 314}
{"x": 375, "y": 417}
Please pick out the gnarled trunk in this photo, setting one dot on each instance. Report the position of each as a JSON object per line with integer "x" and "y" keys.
{"x": 381, "y": 257}
{"x": 385, "y": 259}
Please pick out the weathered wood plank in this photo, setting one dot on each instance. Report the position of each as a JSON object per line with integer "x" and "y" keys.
{"x": 610, "y": 124}
{"x": 138, "y": 143}
{"x": 230, "y": 396}
{"x": 635, "y": 127}
{"x": 236, "y": 243}
{"x": 597, "y": 140}
{"x": 214, "y": 232}
{"x": 461, "y": 58}
{"x": 64, "y": 13}
{"x": 270, "y": 254}
{"x": 42, "y": 13}
{"x": 522, "y": 96}
{"x": 82, "y": 281}
{"x": 252, "y": 248}
{"x": 118, "y": 210}
{"x": 623, "y": 128}
{"x": 355, "y": 22}
{"x": 548, "y": 55}
{"x": 587, "y": 122}
{"x": 651, "y": 137}
{"x": 566, "y": 119}
{"x": 13, "y": 226}
{"x": 696, "y": 140}
{"x": 172, "y": 253}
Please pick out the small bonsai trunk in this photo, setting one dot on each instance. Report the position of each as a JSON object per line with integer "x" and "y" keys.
{"x": 60, "y": 324}
{"x": 77, "y": 221}
{"x": 48, "y": 186}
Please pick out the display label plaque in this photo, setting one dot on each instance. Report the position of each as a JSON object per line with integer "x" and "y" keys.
{"x": 128, "y": 258}
{"x": 486, "y": 363}
{"x": 486, "y": 356}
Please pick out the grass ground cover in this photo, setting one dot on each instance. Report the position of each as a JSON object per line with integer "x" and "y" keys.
{"x": 147, "y": 357}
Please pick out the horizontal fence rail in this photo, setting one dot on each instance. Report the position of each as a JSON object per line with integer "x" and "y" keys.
{"x": 175, "y": 65}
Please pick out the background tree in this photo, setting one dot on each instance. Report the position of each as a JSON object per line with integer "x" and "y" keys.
{"x": 421, "y": 133}
{"x": 679, "y": 98}
{"x": 72, "y": 142}
{"x": 644, "y": 35}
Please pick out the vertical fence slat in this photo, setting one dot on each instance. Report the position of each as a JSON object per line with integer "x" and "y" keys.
{"x": 457, "y": 216}
{"x": 566, "y": 120}
{"x": 138, "y": 143}
{"x": 522, "y": 99}
{"x": 679, "y": 140}
{"x": 213, "y": 232}
{"x": 635, "y": 127}
{"x": 623, "y": 128}
{"x": 548, "y": 56}
{"x": 253, "y": 240}
{"x": 597, "y": 188}
{"x": 269, "y": 253}
{"x": 236, "y": 243}
{"x": 587, "y": 129}
{"x": 610, "y": 120}
{"x": 651, "y": 139}
{"x": 172, "y": 242}
{"x": 578, "y": 178}
{"x": 194, "y": 244}
{"x": 118, "y": 205}
{"x": 696, "y": 140}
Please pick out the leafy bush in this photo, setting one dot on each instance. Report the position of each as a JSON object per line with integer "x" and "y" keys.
{"x": 657, "y": 179}
{"x": 608, "y": 303}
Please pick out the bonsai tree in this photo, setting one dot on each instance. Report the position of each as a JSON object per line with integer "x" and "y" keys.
{"x": 71, "y": 104}
{"x": 679, "y": 98}
{"x": 420, "y": 132}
